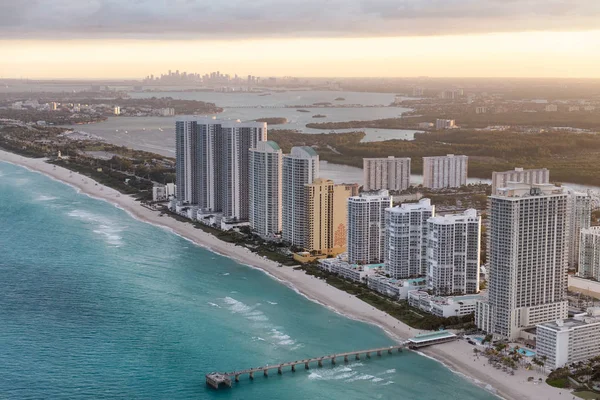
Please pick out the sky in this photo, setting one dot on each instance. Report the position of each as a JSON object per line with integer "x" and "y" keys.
{"x": 135, "y": 38}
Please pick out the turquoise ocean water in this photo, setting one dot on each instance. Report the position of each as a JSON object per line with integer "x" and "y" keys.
{"x": 95, "y": 304}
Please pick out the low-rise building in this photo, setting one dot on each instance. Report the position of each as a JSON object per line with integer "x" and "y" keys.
{"x": 351, "y": 272}
{"x": 163, "y": 192}
{"x": 452, "y": 306}
{"x": 395, "y": 288}
{"x": 567, "y": 341}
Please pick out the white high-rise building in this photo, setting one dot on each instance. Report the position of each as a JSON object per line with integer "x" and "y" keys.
{"x": 453, "y": 249}
{"x": 238, "y": 138}
{"x": 501, "y": 179}
{"x": 223, "y": 159}
{"x": 527, "y": 255}
{"x": 445, "y": 171}
{"x": 213, "y": 164}
{"x": 580, "y": 217}
{"x": 300, "y": 168}
{"x": 564, "y": 342}
{"x": 265, "y": 189}
{"x": 386, "y": 173}
{"x": 186, "y": 167}
{"x": 406, "y": 239}
{"x": 589, "y": 253}
{"x": 366, "y": 227}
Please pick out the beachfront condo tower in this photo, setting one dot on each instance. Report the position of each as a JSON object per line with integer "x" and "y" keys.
{"x": 186, "y": 167}
{"x": 265, "y": 189}
{"x": 300, "y": 168}
{"x": 213, "y": 164}
{"x": 326, "y": 216}
{"x": 406, "y": 239}
{"x": 445, "y": 171}
{"x": 453, "y": 250}
{"x": 386, "y": 173}
{"x": 366, "y": 227}
{"x": 527, "y": 255}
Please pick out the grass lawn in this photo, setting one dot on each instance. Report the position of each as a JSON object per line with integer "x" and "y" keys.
{"x": 587, "y": 395}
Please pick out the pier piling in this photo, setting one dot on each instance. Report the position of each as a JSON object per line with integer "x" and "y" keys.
{"x": 220, "y": 379}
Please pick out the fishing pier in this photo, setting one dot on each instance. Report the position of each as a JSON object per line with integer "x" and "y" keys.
{"x": 219, "y": 379}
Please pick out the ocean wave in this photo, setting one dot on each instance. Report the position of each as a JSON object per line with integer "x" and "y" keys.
{"x": 45, "y": 198}
{"x": 105, "y": 226}
{"x": 364, "y": 377}
{"x": 272, "y": 303}
{"x": 214, "y": 305}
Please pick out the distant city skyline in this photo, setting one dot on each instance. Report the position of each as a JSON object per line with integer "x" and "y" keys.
{"x": 508, "y": 54}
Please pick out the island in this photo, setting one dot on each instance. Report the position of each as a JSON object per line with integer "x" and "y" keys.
{"x": 340, "y": 99}
{"x": 319, "y": 116}
{"x": 273, "y": 120}
{"x": 302, "y": 110}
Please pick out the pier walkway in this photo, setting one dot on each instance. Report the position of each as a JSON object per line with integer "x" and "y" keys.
{"x": 217, "y": 379}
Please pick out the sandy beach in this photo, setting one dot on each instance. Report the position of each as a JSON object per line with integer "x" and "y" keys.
{"x": 457, "y": 355}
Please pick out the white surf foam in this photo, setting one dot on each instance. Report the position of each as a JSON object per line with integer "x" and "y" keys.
{"x": 105, "y": 227}
{"x": 46, "y": 198}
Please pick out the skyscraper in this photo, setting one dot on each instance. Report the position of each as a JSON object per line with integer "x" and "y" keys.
{"x": 300, "y": 168}
{"x": 186, "y": 167}
{"x": 527, "y": 255}
{"x": 445, "y": 171}
{"x": 579, "y": 208}
{"x": 453, "y": 249}
{"x": 265, "y": 189}
{"x": 589, "y": 253}
{"x": 326, "y": 216}
{"x": 386, "y": 173}
{"x": 366, "y": 226}
{"x": 223, "y": 159}
{"x": 501, "y": 179}
{"x": 406, "y": 239}
{"x": 213, "y": 164}
{"x": 235, "y": 179}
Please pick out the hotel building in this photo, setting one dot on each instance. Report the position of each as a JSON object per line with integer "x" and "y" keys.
{"x": 445, "y": 171}
{"x": 527, "y": 255}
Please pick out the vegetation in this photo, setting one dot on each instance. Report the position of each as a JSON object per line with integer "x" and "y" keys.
{"x": 572, "y": 157}
{"x": 273, "y": 121}
{"x": 400, "y": 310}
{"x": 51, "y": 117}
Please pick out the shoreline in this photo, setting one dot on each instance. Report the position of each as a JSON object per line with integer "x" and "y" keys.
{"x": 457, "y": 356}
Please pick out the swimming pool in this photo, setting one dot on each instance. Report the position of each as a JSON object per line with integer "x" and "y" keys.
{"x": 526, "y": 352}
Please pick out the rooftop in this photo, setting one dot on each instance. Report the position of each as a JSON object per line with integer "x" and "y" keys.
{"x": 427, "y": 337}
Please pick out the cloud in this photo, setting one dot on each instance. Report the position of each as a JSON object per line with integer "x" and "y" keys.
{"x": 211, "y": 19}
